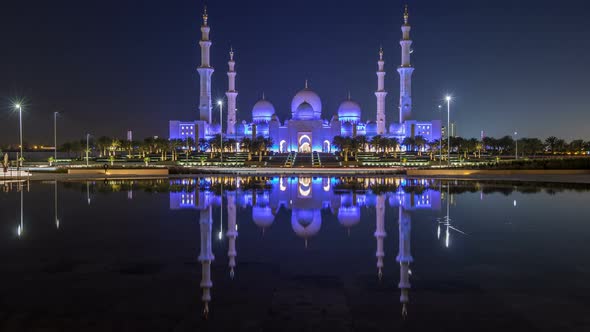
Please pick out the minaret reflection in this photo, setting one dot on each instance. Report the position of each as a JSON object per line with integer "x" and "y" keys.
{"x": 206, "y": 257}
{"x": 380, "y": 233}
{"x": 404, "y": 258}
{"x": 232, "y": 231}
{"x": 55, "y": 204}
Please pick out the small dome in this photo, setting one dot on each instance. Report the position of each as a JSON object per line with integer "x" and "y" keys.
{"x": 371, "y": 128}
{"x": 307, "y": 96}
{"x": 349, "y": 110}
{"x": 349, "y": 216}
{"x": 304, "y": 111}
{"x": 262, "y": 111}
{"x": 262, "y": 216}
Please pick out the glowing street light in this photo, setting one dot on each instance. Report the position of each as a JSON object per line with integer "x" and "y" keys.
{"x": 220, "y": 103}
{"x": 55, "y": 135}
{"x": 19, "y": 107}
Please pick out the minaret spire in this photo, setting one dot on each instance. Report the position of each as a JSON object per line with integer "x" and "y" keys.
{"x": 405, "y": 71}
{"x": 306, "y": 84}
{"x": 231, "y": 94}
{"x": 205, "y": 71}
{"x": 381, "y": 94}
{"x": 406, "y": 15}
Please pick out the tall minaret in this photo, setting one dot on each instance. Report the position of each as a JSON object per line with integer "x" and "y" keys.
{"x": 205, "y": 72}
{"x": 381, "y": 94}
{"x": 380, "y": 233}
{"x": 231, "y": 95}
{"x": 404, "y": 258}
{"x": 405, "y": 72}
{"x": 206, "y": 257}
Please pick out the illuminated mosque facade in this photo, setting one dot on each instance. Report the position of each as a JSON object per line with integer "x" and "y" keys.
{"x": 306, "y": 130}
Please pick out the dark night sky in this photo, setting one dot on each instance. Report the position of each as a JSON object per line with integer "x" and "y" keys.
{"x": 112, "y": 65}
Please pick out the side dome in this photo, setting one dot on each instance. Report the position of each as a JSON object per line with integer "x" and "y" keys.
{"x": 262, "y": 111}
{"x": 307, "y": 96}
{"x": 262, "y": 216}
{"x": 349, "y": 216}
{"x": 304, "y": 111}
{"x": 349, "y": 110}
{"x": 371, "y": 129}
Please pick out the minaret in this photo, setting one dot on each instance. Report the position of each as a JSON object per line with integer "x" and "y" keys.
{"x": 231, "y": 95}
{"x": 380, "y": 233}
{"x": 232, "y": 231}
{"x": 405, "y": 71}
{"x": 205, "y": 72}
{"x": 404, "y": 258}
{"x": 206, "y": 257}
{"x": 381, "y": 94}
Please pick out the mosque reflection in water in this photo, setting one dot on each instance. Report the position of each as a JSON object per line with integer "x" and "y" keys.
{"x": 305, "y": 199}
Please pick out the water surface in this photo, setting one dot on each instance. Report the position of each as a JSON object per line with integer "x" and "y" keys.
{"x": 295, "y": 254}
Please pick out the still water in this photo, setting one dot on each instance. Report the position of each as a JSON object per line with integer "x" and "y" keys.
{"x": 294, "y": 254}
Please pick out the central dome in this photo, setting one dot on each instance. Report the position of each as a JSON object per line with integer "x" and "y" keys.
{"x": 307, "y": 96}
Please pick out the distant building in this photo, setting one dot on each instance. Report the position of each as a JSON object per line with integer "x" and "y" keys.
{"x": 129, "y": 135}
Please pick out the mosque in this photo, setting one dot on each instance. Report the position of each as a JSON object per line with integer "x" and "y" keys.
{"x": 306, "y": 130}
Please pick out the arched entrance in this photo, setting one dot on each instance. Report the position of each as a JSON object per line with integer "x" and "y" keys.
{"x": 283, "y": 146}
{"x": 327, "y": 146}
{"x": 304, "y": 143}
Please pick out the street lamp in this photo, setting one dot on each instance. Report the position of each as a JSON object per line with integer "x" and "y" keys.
{"x": 220, "y": 103}
{"x": 516, "y": 142}
{"x": 440, "y": 143}
{"x": 20, "y": 121}
{"x": 448, "y": 99}
{"x": 55, "y": 135}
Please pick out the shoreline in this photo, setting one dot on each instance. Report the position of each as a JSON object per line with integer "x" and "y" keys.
{"x": 549, "y": 176}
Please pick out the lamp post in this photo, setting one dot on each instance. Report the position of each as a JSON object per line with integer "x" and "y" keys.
{"x": 516, "y": 142}
{"x": 20, "y": 122}
{"x": 440, "y": 143}
{"x": 55, "y": 135}
{"x": 220, "y": 103}
{"x": 448, "y": 99}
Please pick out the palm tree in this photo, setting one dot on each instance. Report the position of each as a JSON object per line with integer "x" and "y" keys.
{"x": 215, "y": 144}
{"x": 127, "y": 145}
{"x": 102, "y": 143}
{"x": 173, "y": 146}
{"x": 551, "y": 142}
{"x": 362, "y": 142}
{"x": 246, "y": 144}
{"x": 420, "y": 142}
{"x": 114, "y": 146}
{"x": 393, "y": 143}
{"x": 377, "y": 142}
{"x": 409, "y": 143}
{"x": 231, "y": 143}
